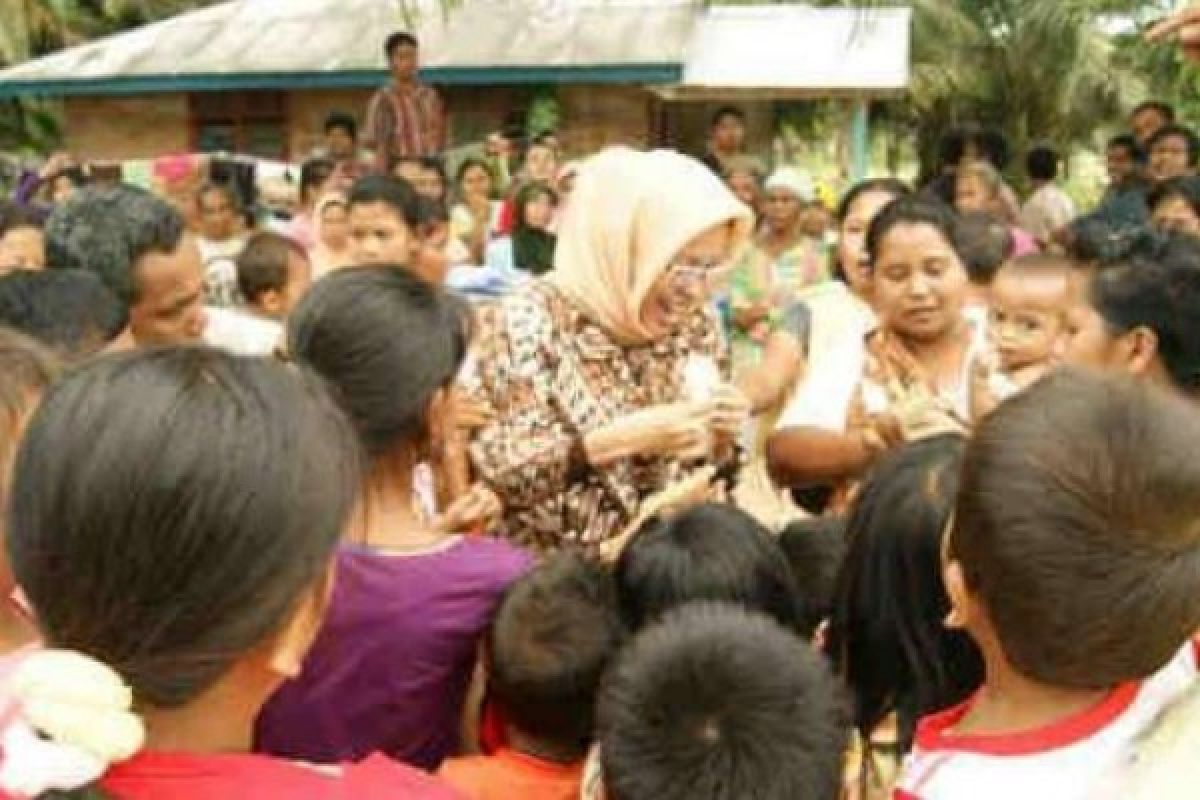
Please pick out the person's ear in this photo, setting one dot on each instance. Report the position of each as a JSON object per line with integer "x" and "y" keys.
{"x": 1139, "y": 350}
{"x": 960, "y": 614}
{"x": 293, "y": 642}
{"x": 270, "y": 302}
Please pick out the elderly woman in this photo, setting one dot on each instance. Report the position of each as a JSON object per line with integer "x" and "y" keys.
{"x": 603, "y": 376}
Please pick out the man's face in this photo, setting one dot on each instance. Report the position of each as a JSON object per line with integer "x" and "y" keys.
{"x": 169, "y": 308}
{"x": 340, "y": 143}
{"x": 1146, "y": 123}
{"x": 1169, "y": 158}
{"x": 218, "y": 218}
{"x": 404, "y": 62}
{"x": 729, "y": 134}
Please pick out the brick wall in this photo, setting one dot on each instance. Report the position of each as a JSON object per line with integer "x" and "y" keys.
{"x": 116, "y": 128}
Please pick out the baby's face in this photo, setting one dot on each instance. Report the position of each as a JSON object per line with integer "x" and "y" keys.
{"x": 1025, "y": 320}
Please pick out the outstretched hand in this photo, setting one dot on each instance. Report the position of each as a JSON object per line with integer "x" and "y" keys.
{"x": 1184, "y": 27}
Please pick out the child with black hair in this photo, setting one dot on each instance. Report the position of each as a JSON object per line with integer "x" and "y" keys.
{"x": 383, "y": 214}
{"x": 390, "y": 668}
{"x": 708, "y": 552}
{"x": 273, "y": 273}
{"x": 1073, "y": 561}
{"x": 716, "y": 703}
{"x": 190, "y": 598}
{"x": 886, "y": 636}
{"x": 69, "y": 311}
{"x": 552, "y": 638}
{"x": 984, "y": 242}
{"x": 815, "y": 548}
{"x": 1029, "y": 300}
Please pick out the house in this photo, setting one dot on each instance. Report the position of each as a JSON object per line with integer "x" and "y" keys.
{"x": 259, "y": 76}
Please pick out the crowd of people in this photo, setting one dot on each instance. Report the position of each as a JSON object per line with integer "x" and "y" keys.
{"x": 437, "y": 491}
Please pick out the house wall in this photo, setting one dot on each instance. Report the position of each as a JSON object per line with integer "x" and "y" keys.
{"x": 143, "y": 126}
{"x": 119, "y": 128}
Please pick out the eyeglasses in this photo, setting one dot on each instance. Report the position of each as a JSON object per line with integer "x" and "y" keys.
{"x": 687, "y": 276}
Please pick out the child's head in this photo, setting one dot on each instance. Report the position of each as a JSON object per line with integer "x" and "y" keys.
{"x": 1175, "y": 205}
{"x": 985, "y": 242}
{"x": 273, "y": 274}
{"x": 1029, "y": 300}
{"x": 22, "y": 244}
{"x": 1074, "y": 557}
{"x": 341, "y": 135}
{"x": 710, "y": 552}
{"x": 918, "y": 282}
{"x": 383, "y": 222}
{"x": 433, "y": 227}
{"x": 1042, "y": 164}
{"x": 814, "y": 548}
{"x": 550, "y": 642}
{"x": 977, "y": 188}
{"x": 69, "y": 311}
{"x": 136, "y": 471}
{"x": 390, "y": 344}
{"x": 220, "y": 207}
{"x": 431, "y": 183}
{"x": 1140, "y": 316}
{"x": 26, "y": 370}
{"x": 886, "y": 634}
{"x": 719, "y": 703}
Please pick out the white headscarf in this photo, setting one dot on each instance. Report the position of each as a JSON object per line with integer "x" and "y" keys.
{"x": 630, "y": 214}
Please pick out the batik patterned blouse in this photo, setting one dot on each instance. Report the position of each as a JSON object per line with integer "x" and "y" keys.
{"x": 551, "y": 376}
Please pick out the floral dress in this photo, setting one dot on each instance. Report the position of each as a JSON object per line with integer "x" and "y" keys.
{"x": 550, "y": 376}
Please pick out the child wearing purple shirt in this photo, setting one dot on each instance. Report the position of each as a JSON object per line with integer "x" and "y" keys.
{"x": 390, "y": 668}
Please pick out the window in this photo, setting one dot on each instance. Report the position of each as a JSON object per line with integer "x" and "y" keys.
{"x": 250, "y": 123}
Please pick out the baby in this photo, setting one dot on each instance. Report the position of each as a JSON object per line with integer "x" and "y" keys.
{"x": 1029, "y": 296}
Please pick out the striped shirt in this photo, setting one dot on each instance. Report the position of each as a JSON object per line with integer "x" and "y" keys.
{"x": 405, "y": 122}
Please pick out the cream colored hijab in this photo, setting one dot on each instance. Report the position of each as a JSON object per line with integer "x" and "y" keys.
{"x": 630, "y": 213}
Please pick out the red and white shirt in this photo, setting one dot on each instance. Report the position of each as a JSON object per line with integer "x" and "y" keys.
{"x": 1082, "y": 757}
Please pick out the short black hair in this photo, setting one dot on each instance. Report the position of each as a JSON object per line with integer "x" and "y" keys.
{"x": 69, "y": 311}
{"x": 313, "y": 173}
{"x": 1165, "y": 110}
{"x": 343, "y": 120}
{"x": 814, "y": 548}
{"x": 397, "y": 40}
{"x": 1042, "y": 163}
{"x": 993, "y": 145}
{"x": 386, "y": 341}
{"x": 1185, "y": 188}
{"x": 721, "y": 704}
{"x": 727, "y": 112}
{"x": 392, "y": 192}
{"x": 550, "y": 643}
{"x": 984, "y": 242}
{"x": 431, "y": 213}
{"x": 709, "y": 552}
{"x": 107, "y": 231}
{"x": 1127, "y": 141}
{"x": 26, "y": 369}
{"x": 1181, "y": 132}
{"x": 263, "y": 263}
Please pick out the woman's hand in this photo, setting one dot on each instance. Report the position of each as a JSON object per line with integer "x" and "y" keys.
{"x": 682, "y": 430}
{"x": 730, "y": 411}
{"x": 692, "y": 490}
{"x": 478, "y": 506}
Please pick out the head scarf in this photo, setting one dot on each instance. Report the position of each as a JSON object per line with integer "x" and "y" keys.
{"x": 630, "y": 214}
{"x": 533, "y": 248}
{"x": 793, "y": 180}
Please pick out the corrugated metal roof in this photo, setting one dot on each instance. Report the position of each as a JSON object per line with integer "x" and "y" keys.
{"x": 248, "y": 44}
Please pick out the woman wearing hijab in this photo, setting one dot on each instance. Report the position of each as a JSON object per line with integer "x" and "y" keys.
{"x": 331, "y": 224}
{"x": 603, "y": 376}
{"x": 531, "y": 246}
